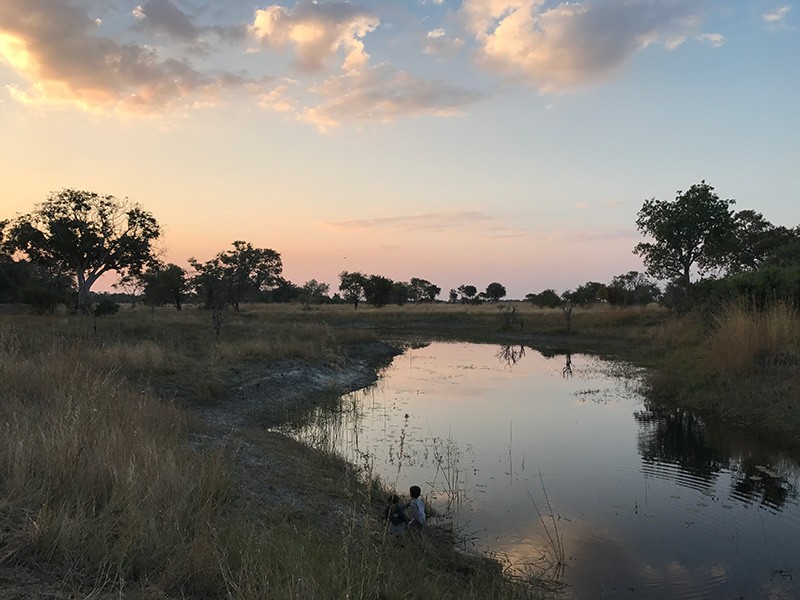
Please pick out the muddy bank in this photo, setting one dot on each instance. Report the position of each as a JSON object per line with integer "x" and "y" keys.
{"x": 270, "y": 470}
{"x": 265, "y": 395}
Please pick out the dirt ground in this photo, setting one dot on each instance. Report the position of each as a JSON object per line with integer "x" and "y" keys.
{"x": 269, "y": 467}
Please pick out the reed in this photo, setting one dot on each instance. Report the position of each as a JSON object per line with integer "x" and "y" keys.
{"x": 107, "y": 485}
{"x": 746, "y": 340}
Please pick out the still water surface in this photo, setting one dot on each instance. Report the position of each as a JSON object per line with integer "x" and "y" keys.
{"x": 647, "y": 502}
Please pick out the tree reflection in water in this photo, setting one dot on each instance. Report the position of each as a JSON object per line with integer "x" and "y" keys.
{"x": 673, "y": 436}
{"x": 510, "y": 355}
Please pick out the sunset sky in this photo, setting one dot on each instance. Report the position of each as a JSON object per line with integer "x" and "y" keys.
{"x": 460, "y": 141}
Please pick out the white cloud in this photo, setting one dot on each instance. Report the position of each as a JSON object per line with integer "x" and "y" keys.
{"x": 573, "y": 44}
{"x": 715, "y": 39}
{"x": 384, "y": 93}
{"x": 777, "y": 15}
{"x": 439, "y": 43}
{"x": 52, "y": 44}
{"x": 316, "y": 32}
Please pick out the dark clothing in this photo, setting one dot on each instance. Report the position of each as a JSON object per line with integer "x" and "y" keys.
{"x": 396, "y": 517}
{"x": 395, "y": 514}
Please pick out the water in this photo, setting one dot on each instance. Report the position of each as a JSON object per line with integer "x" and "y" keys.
{"x": 529, "y": 455}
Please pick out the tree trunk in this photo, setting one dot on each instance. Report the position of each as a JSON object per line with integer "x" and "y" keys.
{"x": 84, "y": 294}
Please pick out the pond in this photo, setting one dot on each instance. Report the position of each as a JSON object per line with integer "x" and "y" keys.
{"x": 558, "y": 464}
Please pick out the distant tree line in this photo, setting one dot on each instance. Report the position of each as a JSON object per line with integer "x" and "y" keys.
{"x": 697, "y": 248}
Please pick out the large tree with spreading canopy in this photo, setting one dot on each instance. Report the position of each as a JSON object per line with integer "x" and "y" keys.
{"x": 695, "y": 231}
{"x": 85, "y": 235}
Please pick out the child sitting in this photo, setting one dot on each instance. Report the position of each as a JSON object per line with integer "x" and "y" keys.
{"x": 395, "y": 515}
{"x": 417, "y": 507}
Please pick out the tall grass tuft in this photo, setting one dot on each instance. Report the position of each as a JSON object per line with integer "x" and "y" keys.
{"x": 101, "y": 487}
{"x": 745, "y": 340}
{"x": 96, "y": 477}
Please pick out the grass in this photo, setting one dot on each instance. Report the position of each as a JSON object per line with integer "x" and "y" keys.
{"x": 110, "y": 486}
{"x": 108, "y": 480}
{"x": 742, "y": 365}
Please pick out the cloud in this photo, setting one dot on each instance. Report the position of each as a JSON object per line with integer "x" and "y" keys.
{"x": 277, "y": 99}
{"x": 435, "y": 222}
{"x": 777, "y": 15}
{"x": 52, "y": 44}
{"x": 715, "y": 39}
{"x": 574, "y": 44}
{"x": 162, "y": 16}
{"x": 316, "y": 32}
{"x": 439, "y": 43}
{"x": 384, "y": 93}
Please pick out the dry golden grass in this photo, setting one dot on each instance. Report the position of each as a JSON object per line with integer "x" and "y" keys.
{"x": 98, "y": 480}
{"x": 95, "y": 476}
{"x": 745, "y": 340}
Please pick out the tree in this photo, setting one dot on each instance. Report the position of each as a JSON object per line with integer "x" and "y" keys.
{"x": 313, "y": 292}
{"x": 378, "y": 290}
{"x": 231, "y": 275}
{"x": 249, "y": 269}
{"x": 284, "y": 291}
{"x": 693, "y": 231}
{"x": 401, "y": 292}
{"x": 757, "y": 243}
{"x": 423, "y": 290}
{"x": 587, "y": 293}
{"x": 632, "y": 288}
{"x": 468, "y": 293}
{"x": 352, "y": 286}
{"x": 495, "y": 291}
{"x": 210, "y": 283}
{"x": 165, "y": 284}
{"x": 85, "y": 234}
{"x": 545, "y": 299}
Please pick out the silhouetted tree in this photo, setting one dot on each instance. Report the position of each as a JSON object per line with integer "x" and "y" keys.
{"x": 401, "y": 292}
{"x": 695, "y": 230}
{"x": 545, "y": 299}
{"x": 378, "y": 290}
{"x": 314, "y": 292}
{"x": 495, "y": 291}
{"x": 352, "y": 286}
{"x": 632, "y": 288}
{"x": 165, "y": 284}
{"x": 468, "y": 293}
{"x": 422, "y": 290}
{"x": 85, "y": 234}
{"x": 587, "y": 293}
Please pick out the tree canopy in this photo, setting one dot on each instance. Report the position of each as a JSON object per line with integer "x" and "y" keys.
{"x": 495, "y": 291}
{"x": 693, "y": 231}
{"x": 423, "y": 290}
{"x": 84, "y": 234}
{"x": 352, "y": 286}
{"x": 235, "y": 273}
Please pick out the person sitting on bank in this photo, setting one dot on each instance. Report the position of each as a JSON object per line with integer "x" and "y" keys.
{"x": 395, "y": 515}
{"x": 417, "y": 509}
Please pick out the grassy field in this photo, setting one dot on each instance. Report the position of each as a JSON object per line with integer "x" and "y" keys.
{"x": 110, "y": 485}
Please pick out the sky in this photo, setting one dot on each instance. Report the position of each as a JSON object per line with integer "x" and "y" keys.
{"x": 458, "y": 141}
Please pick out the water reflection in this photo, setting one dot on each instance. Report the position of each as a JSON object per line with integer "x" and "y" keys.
{"x": 510, "y": 355}
{"x": 649, "y": 502}
{"x": 567, "y": 370}
{"x": 675, "y": 437}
